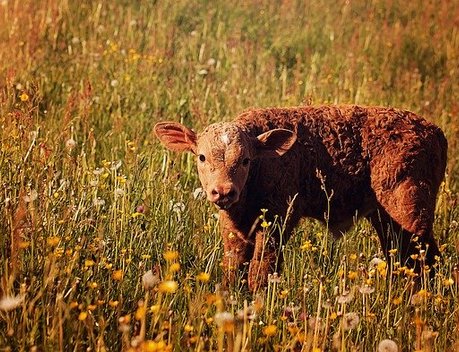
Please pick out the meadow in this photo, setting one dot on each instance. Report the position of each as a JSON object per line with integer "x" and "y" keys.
{"x": 105, "y": 241}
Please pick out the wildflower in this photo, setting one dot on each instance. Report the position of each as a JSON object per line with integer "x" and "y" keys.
{"x": 265, "y": 224}
{"x": 178, "y": 207}
{"x": 140, "y": 312}
{"x": 119, "y": 192}
{"x": 170, "y": 255}
{"x": 224, "y": 320}
{"x": 8, "y": 303}
{"x": 202, "y": 72}
{"x": 92, "y": 307}
{"x": 113, "y": 304}
{"x": 117, "y": 275}
{"x": 70, "y": 143}
{"x": 24, "y": 97}
{"x": 199, "y": 193}
{"x": 274, "y": 278}
{"x": 53, "y": 241}
{"x": 387, "y": 346}
{"x": 203, "y": 277}
{"x": 31, "y": 196}
{"x": 366, "y": 289}
{"x": 82, "y": 316}
{"x": 155, "y": 308}
{"x": 306, "y": 246}
{"x": 448, "y": 282}
{"x": 88, "y": 263}
{"x": 270, "y": 330}
{"x": 397, "y": 300}
{"x": 149, "y": 280}
{"x": 98, "y": 202}
{"x": 375, "y": 262}
{"x": 353, "y": 257}
{"x": 352, "y": 275}
{"x": 93, "y": 285}
{"x": 211, "y": 61}
{"x": 345, "y": 297}
{"x": 114, "y": 83}
{"x": 393, "y": 251}
{"x": 168, "y": 286}
{"x": 174, "y": 267}
{"x": 350, "y": 321}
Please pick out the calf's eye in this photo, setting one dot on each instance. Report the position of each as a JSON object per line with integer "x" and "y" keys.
{"x": 245, "y": 162}
{"x": 201, "y": 158}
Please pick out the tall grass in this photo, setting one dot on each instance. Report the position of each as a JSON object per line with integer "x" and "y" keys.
{"x": 105, "y": 245}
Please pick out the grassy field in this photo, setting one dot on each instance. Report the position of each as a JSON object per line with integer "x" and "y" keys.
{"x": 104, "y": 244}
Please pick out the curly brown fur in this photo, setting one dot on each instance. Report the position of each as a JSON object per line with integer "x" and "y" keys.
{"x": 379, "y": 163}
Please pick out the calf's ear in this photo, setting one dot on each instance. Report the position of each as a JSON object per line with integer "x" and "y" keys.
{"x": 274, "y": 143}
{"x": 176, "y": 137}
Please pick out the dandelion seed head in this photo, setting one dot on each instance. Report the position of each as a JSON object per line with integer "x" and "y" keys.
{"x": 150, "y": 280}
{"x": 387, "y": 346}
{"x": 350, "y": 321}
{"x": 8, "y": 303}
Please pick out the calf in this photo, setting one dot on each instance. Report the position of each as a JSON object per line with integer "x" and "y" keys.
{"x": 379, "y": 163}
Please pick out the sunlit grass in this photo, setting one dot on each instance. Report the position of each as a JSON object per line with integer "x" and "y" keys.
{"x": 106, "y": 243}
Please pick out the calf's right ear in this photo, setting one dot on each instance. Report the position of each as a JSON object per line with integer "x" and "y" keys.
{"x": 176, "y": 137}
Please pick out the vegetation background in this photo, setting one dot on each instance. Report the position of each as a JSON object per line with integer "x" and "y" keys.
{"x": 105, "y": 243}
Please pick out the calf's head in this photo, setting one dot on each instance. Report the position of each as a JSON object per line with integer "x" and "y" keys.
{"x": 224, "y": 153}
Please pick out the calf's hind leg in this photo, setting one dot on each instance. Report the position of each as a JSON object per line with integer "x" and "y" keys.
{"x": 405, "y": 219}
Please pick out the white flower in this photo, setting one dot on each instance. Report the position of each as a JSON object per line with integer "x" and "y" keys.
{"x": 119, "y": 192}
{"x": 70, "y": 143}
{"x": 31, "y": 196}
{"x": 387, "y": 346}
{"x": 98, "y": 171}
{"x": 202, "y": 72}
{"x": 8, "y": 303}
{"x": 98, "y": 202}
{"x": 374, "y": 262}
{"x": 223, "y": 318}
{"x": 345, "y": 297}
{"x": 199, "y": 193}
{"x": 350, "y": 321}
{"x": 114, "y": 83}
{"x": 365, "y": 289}
{"x": 178, "y": 207}
{"x": 211, "y": 61}
{"x": 149, "y": 280}
{"x": 115, "y": 165}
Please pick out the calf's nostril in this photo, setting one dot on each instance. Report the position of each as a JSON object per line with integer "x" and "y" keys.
{"x": 231, "y": 194}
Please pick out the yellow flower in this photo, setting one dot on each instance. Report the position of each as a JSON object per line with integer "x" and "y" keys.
{"x": 170, "y": 255}
{"x": 168, "y": 286}
{"x": 306, "y": 246}
{"x": 117, "y": 275}
{"x": 353, "y": 257}
{"x": 24, "y": 244}
{"x": 24, "y": 97}
{"x": 397, "y": 300}
{"x": 352, "y": 275}
{"x": 448, "y": 282}
{"x": 270, "y": 330}
{"x": 82, "y": 316}
{"x": 88, "y": 263}
{"x": 203, "y": 277}
{"x": 93, "y": 285}
{"x": 73, "y": 304}
{"x": 92, "y": 307}
{"x": 174, "y": 267}
{"x": 188, "y": 328}
{"x": 53, "y": 241}
{"x": 113, "y": 304}
{"x": 140, "y": 312}
{"x": 393, "y": 251}
{"x": 265, "y": 224}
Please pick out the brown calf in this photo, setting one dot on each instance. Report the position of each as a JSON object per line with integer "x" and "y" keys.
{"x": 380, "y": 163}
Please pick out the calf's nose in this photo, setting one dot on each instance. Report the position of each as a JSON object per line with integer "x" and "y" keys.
{"x": 223, "y": 194}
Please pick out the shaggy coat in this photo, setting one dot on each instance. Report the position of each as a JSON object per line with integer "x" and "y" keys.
{"x": 379, "y": 163}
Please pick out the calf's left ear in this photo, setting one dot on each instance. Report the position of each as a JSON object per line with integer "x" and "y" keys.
{"x": 274, "y": 143}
